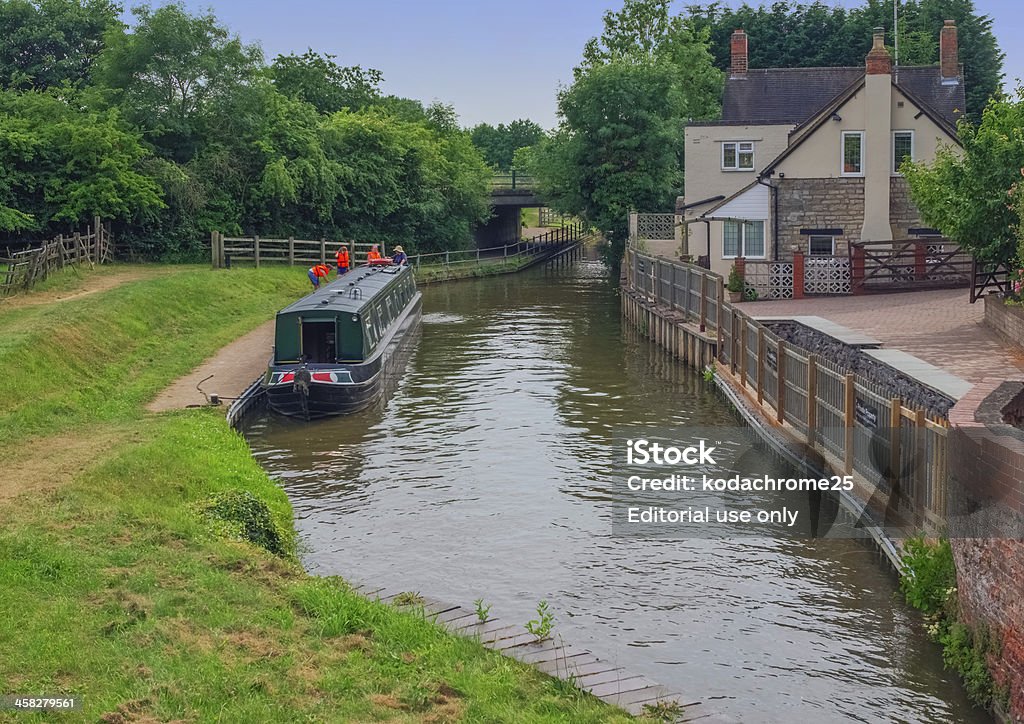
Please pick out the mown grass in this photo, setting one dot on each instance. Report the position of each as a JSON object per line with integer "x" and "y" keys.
{"x": 116, "y": 588}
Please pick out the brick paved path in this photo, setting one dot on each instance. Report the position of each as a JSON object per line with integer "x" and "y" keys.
{"x": 941, "y": 327}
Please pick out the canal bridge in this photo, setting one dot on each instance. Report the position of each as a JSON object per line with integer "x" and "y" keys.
{"x": 510, "y": 194}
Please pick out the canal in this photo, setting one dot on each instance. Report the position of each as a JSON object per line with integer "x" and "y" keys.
{"x": 485, "y": 476}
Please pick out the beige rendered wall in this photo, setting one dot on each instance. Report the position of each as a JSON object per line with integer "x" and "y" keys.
{"x": 703, "y": 154}
{"x": 819, "y": 155}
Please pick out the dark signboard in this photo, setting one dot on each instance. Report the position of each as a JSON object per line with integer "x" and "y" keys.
{"x": 865, "y": 414}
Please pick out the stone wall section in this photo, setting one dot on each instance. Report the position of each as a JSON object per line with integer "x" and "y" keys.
{"x": 1006, "y": 321}
{"x": 819, "y": 203}
{"x": 903, "y": 214}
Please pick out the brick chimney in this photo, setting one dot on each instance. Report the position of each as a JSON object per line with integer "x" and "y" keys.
{"x": 949, "y": 60}
{"x": 738, "y": 45}
{"x": 878, "y": 62}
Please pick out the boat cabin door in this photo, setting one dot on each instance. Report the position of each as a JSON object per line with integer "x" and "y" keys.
{"x": 318, "y": 341}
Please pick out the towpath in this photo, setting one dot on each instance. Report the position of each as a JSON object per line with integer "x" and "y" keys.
{"x": 940, "y": 326}
{"x": 230, "y": 371}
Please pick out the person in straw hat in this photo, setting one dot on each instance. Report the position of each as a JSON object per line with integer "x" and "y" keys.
{"x": 399, "y": 256}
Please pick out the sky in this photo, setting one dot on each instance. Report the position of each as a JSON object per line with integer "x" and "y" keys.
{"x": 494, "y": 60}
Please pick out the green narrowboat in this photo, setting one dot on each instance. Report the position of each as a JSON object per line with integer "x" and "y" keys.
{"x": 334, "y": 348}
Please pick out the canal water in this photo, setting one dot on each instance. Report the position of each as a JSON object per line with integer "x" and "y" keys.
{"x": 485, "y": 475}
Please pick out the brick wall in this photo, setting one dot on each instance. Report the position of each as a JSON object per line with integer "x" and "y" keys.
{"x": 903, "y": 215}
{"x": 819, "y": 203}
{"x": 1008, "y": 322}
{"x": 986, "y": 511}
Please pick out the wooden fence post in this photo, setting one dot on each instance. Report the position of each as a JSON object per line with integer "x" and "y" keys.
{"x": 780, "y": 381}
{"x": 291, "y": 251}
{"x": 812, "y": 399}
{"x": 760, "y": 365}
{"x": 323, "y": 250}
{"x": 720, "y": 292}
{"x": 703, "y": 303}
{"x": 849, "y": 422}
{"x": 894, "y": 446}
{"x": 213, "y": 249}
{"x": 921, "y": 463}
{"x": 743, "y": 353}
{"x": 99, "y": 239}
{"x": 256, "y": 249}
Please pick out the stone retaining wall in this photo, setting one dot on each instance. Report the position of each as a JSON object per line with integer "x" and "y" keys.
{"x": 1007, "y": 321}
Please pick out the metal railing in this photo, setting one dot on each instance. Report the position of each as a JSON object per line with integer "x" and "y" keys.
{"x": 513, "y": 181}
{"x": 226, "y": 250}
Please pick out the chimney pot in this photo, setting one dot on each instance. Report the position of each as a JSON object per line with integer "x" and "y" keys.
{"x": 738, "y": 46}
{"x": 878, "y": 61}
{"x": 949, "y": 60}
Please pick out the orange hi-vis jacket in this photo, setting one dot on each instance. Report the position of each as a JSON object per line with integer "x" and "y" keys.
{"x": 321, "y": 270}
{"x": 342, "y": 256}
{"x": 371, "y": 255}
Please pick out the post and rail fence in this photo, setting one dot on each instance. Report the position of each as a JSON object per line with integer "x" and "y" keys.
{"x": 225, "y": 250}
{"x": 848, "y": 419}
{"x": 21, "y": 270}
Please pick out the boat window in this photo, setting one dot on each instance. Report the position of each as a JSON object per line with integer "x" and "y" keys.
{"x": 318, "y": 341}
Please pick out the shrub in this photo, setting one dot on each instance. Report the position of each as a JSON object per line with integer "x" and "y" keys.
{"x": 928, "y": 575}
{"x": 735, "y": 281}
{"x": 241, "y": 515}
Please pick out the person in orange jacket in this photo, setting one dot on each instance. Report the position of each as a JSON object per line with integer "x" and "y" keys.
{"x": 372, "y": 254}
{"x": 318, "y": 272}
{"x": 343, "y": 260}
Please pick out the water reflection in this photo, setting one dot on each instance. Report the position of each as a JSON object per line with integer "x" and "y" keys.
{"x": 485, "y": 476}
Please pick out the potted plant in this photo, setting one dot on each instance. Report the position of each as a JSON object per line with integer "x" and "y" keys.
{"x": 734, "y": 285}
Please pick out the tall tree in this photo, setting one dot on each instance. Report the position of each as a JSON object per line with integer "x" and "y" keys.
{"x": 967, "y": 195}
{"x": 500, "y": 143}
{"x": 318, "y": 80}
{"x": 804, "y": 35}
{"x": 170, "y": 68}
{"x": 60, "y": 162}
{"x": 50, "y": 43}
{"x": 619, "y": 145}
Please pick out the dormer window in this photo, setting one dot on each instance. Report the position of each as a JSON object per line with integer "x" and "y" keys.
{"x": 738, "y": 156}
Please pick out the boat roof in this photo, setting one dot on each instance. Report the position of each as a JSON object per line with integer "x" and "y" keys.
{"x": 349, "y": 293}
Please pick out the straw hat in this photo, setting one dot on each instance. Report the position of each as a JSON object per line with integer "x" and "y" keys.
{"x": 398, "y": 248}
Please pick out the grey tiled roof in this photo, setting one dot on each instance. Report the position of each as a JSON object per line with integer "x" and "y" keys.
{"x": 793, "y": 95}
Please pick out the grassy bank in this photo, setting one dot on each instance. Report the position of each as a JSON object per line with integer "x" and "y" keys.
{"x": 119, "y": 586}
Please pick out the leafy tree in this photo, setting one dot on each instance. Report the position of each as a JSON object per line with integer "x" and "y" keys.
{"x": 318, "y": 80}
{"x": 645, "y": 32}
{"x": 967, "y": 195}
{"x": 170, "y": 69}
{"x": 799, "y": 35}
{"x": 62, "y": 163}
{"x": 49, "y": 43}
{"x": 619, "y": 147}
{"x": 499, "y": 144}
{"x": 620, "y": 141}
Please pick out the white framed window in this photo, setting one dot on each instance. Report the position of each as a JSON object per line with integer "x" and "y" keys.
{"x": 821, "y": 245}
{"x": 852, "y": 161}
{"x": 738, "y": 156}
{"x": 902, "y": 149}
{"x": 743, "y": 238}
